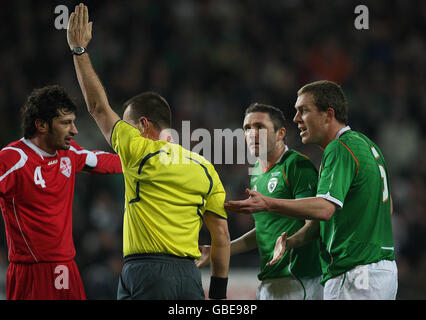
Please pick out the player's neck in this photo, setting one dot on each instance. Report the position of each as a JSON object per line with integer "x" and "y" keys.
{"x": 335, "y": 127}
{"x": 272, "y": 157}
{"x": 42, "y": 144}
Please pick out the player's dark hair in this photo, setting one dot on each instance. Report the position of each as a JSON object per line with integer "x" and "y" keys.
{"x": 275, "y": 114}
{"x": 152, "y": 106}
{"x": 45, "y": 104}
{"x": 328, "y": 94}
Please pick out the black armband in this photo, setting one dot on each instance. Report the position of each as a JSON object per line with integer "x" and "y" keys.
{"x": 218, "y": 288}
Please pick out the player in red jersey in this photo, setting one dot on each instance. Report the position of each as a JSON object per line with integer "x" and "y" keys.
{"x": 37, "y": 176}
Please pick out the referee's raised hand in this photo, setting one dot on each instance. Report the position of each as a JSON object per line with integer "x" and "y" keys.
{"x": 79, "y": 31}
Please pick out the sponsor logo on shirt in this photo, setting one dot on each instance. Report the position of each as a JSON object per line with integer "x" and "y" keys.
{"x": 66, "y": 167}
{"x": 52, "y": 162}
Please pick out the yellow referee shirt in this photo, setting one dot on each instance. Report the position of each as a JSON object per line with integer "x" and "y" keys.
{"x": 168, "y": 189}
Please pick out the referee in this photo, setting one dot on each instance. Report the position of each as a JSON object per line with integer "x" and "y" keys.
{"x": 170, "y": 191}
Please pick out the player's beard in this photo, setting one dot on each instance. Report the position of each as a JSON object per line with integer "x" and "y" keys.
{"x": 58, "y": 142}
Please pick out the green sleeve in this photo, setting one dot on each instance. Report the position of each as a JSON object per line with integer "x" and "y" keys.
{"x": 338, "y": 169}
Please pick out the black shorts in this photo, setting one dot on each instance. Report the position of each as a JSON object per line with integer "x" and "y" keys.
{"x": 156, "y": 276}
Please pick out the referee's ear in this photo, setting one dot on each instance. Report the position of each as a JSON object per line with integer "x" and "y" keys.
{"x": 143, "y": 125}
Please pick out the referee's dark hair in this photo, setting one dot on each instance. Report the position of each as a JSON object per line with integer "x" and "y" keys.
{"x": 275, "y": 114}
{"x": 152, "y": 106}
{"x": 45, "y": 104}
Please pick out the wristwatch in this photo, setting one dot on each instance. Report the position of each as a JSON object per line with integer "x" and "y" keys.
{"x": 78, "y": 50}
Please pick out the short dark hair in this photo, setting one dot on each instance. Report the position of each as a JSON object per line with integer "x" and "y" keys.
{"x": 275, "y": 114}
{"x": 328, "y": 94}
{"x": 44, "y": 104}
{"x": 151, "y": 105}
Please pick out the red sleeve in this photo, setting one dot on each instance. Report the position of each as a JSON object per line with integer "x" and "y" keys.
{"x": 97, "y": 161}
{"x": 11, "y": 160}
{"x": 107, "y": 163}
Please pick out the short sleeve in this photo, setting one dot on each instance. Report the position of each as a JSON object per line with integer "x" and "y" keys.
{"x": 11, "y": 160}
{"x": 95, "y": 161}
{"x": 82, "y": 157}
{"x": 338, "y": 169}
{"x": 216, "y": 197}
{"x": 127, "y": 142}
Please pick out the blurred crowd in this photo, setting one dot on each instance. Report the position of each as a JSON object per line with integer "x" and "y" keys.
{"x": 211, "y": 59}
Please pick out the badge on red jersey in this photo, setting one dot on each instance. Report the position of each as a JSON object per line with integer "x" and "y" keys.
{"x": 66, "y": 166}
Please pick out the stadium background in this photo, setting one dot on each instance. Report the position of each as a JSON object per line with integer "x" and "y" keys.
{"x": 211, "y": 59}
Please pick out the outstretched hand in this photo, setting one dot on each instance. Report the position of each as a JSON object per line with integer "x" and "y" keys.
{"x": 280, "y": 247}
{"x": 79, "y": 31}
{"x": 255, "y": 203}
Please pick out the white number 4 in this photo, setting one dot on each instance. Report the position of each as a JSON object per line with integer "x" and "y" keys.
{"x": 38, "y": 178}
{"x": 383, "y": 175}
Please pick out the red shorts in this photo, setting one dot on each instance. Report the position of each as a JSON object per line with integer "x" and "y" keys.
{"x": 44, "y": 281}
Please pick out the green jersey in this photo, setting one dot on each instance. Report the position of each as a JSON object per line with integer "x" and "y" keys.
{"x": 353, "y": 175}
{"x": 293, "y": 176}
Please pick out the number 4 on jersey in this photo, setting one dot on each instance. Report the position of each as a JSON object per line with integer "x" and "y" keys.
{"x": 383, "y": 175}
{"x": 38, "y": 178}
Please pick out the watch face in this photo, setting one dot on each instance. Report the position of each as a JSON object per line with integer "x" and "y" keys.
{"x": 78, "y": 50}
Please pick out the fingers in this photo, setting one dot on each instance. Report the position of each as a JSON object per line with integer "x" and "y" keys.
{"x": 236, "y": 207}
{"x": 280, "y": 248}
{"x": 205, "y": 257}
{"x": 85, "y": 15}
{"x": 251, "y": 192}
{"x": 81, "y": 13}
{"x": 71, "y": 21}
{"x": 80, "y": 9}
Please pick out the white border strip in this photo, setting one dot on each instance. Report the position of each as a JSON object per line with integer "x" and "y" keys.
{"x": 332, "y": 199}
{"x": 18, "y": 165}
{"x": 91, "y": 158}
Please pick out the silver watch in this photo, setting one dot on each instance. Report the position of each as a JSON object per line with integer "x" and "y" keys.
{"x": 78, "y": 50}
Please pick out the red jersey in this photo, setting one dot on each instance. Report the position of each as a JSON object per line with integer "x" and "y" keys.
{"x": 36, "y": 195}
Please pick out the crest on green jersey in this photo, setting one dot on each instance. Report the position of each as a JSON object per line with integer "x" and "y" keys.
{"x": 272, "y": 184}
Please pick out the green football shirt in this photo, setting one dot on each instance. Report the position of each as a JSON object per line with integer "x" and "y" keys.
{"x": 353, "y": 175}
{"x": 292, "y": 177}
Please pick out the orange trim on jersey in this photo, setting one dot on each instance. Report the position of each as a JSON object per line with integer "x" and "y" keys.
{"x": 356, "y": 160}
{"x": 285, "y": 177}
{"x": 269, "y": 167}
{"x": 303, "y": 155}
